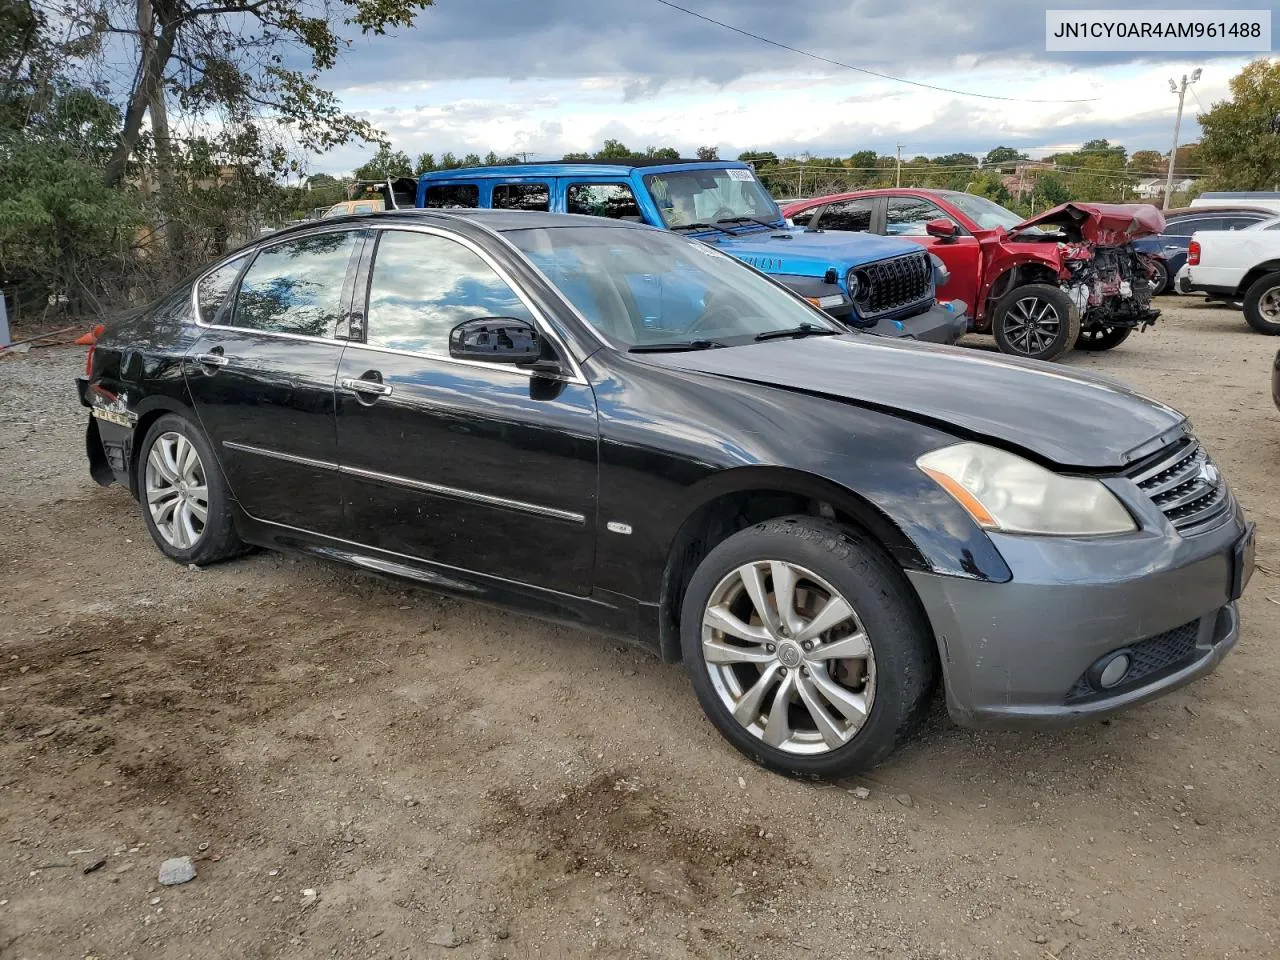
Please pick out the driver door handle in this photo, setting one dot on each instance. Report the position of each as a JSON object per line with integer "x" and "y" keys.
{"x": 370, "y": 387}
{"x": 212, "y": 359}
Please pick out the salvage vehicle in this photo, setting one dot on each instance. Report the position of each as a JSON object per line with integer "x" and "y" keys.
{"x": 374, "y": 196}
{"x": 875, "y": 284}
{"x": 1239, "y": 265}
{"x": 818, "y": 522}
{"x": 1168, "y": 251}
{"x": 1068, "y": 277}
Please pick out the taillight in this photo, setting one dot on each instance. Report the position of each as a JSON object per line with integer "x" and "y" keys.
{"x": 88, "y": 361}
{"x": 1193, "y": 253}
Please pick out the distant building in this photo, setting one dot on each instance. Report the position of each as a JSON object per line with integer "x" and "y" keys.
{"x": 1022, "y": 179}
{"x": 1152, "y": 188}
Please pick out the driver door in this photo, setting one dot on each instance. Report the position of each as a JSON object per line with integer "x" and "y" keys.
{"x": 906, "y": 217}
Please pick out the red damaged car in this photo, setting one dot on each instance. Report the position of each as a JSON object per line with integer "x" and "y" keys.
{"x": 1068, "y": 277}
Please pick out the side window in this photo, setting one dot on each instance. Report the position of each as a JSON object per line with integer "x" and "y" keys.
{"x": 906, "y": 216}
{"x": 1185, "y": 228}
{"x": 424, "y": 285}
{"x": 852, "y": 215}
{"x": 446, "y": 195}
{"x": 296, "y": 286}
{"x": 612, "y": 200}
{"x": 1238, "y": 223}
{"x": 215, "y": 289}
{"x": 521, "y": 196}
{"x": 362, "y": 208}
{"x": 804, "y": 218}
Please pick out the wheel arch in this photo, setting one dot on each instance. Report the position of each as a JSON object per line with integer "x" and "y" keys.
{"x": 149, "y": 410}
{"x": 1257, "y": 273}
{"x": 739, "y": 498}
{"x": 1015, "y": 275}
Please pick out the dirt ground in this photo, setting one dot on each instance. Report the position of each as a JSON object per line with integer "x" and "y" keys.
{"x": 452, "y": 780}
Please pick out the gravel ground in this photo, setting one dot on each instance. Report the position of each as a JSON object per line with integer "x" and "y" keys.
{"x": 362, "y": 770}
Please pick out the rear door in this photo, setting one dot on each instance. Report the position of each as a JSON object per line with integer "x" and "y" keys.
{"x": 905, "y": 216}
{"x": 261, "y": 375}
{"x": 476, "y": 466}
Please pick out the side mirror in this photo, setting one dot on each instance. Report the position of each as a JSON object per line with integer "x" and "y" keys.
{"x": 942, "y": 228}
{"x": 495, "y": 340}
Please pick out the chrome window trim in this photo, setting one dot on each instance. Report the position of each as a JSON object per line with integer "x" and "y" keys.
{"x": 455, "y": 493}
{"x": 545, "y": 327}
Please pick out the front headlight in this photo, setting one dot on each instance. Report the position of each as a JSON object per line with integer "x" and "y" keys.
{"x": 1002, "y": 491}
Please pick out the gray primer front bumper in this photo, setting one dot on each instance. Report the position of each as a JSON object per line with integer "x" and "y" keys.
{"x": 1012, "y": 651}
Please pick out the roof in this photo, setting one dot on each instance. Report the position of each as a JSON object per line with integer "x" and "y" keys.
{"x": 1216, "y": 211}
{"x": 501, "y": 221}
{"x": 569, "y": 168}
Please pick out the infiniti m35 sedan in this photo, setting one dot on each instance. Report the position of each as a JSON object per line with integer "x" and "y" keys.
{"x": 613, "y": 426}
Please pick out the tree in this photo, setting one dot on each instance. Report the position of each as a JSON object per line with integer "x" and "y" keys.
{"x": 758, "y": 158}
{"x": 426, "y": 161}
{"x": 491, "y": 159}
{"x": 471, "y": 160}
{"x": 613, "y": 150}
{"x": 1241, "y": 140}
{"x": 577, "y": 156}
{"x": 661, "y": 153}
{"x": 1050, "y": 189}
{"x": 1147, "y": 163}
{"x": 386, "y": 163}
{"x": 990, "y": 186}
{"x": 998, "y": 155}
{"x": 235, "y": 59}
{"x": 956, "y": 160}
{"x": 708, "y": 153}
{"x": 448, "y": 162}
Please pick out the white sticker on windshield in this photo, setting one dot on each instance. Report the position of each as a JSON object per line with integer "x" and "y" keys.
{"x": 736, "y": 174}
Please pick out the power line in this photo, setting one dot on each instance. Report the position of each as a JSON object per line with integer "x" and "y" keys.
{"x": 849, "y": 66}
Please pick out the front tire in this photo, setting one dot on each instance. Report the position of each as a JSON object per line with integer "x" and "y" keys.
{"x": 806, "y": 647}
{"x": 1037, "y": 321}
{"x": 1262, "y": 304}
{"x": 185, "y": 502}
{"x": 1159, "y": 282}
{"x": 1097, "y": 337}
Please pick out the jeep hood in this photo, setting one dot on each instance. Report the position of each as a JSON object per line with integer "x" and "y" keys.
{"x": 809, "y": 254}
{"x": 1068, "y": 419}
{"x": 1104, "y": 224}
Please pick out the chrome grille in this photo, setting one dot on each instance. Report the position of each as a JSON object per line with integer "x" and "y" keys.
{"x": 1186, "y": 485}
{"x": 892, "y": 284}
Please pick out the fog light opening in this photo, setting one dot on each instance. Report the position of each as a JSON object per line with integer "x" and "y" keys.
{"x": 1112, "y": 670}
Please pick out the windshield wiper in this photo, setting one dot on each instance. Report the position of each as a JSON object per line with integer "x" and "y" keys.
{"x": 763, "y": 223}
{"x": 803, "y": 330}
{"x": 674, "y": 346}
{"x": 703, "y": 226}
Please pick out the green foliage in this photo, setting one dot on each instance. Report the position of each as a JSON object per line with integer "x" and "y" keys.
{"x": 1050, "y": 190}
{"x": 1241, "y": 141}
{"x": 386, "y": 163}
{"x": 999, "y": 155}
{"x": 426, "y": 161}
{"x": 1147, "y": 163}
{"x": 708, "y": 153}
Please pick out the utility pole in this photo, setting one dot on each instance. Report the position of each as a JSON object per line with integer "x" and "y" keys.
{"x": 898, "y": 180}
{"x": 1181, "y": 91}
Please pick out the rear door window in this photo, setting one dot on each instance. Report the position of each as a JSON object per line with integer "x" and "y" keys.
{"x": 851, "y": 215}
{"x": 447, "y": 196}
{"x": 521, "y": 196}
{"x": 612, "y": 200}
{"x": 296, "y": 286}
{"x": 214, "y": 291}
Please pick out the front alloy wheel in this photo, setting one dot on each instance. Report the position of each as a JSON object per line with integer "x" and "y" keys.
{"x": 788, "y": 657}
{"x": 1036, "y": 320}
{"x": 806, "y": 646}
{"x": 177, "y": 491}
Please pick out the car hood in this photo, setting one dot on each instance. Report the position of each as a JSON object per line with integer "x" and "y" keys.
{"x": 1066, "y": 418}
{"x": 1105, "y": 224}
{"x": 799, "y": 252}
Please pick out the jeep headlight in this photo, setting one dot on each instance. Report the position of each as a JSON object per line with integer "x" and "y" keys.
{"x": 1004, "y": 492}
{"x": 851, "y": 281}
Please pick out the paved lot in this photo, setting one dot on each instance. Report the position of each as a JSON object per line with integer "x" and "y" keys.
{"x": 439, "y": 771}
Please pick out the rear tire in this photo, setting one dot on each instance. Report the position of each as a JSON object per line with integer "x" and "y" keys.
{"x": 1159, "y": 282}
{"x": 855, "y": 687}
{"x": 1262, "y": 304}
{"x": 1037, "y": 321}
{"x": 185, "y": 502}
{"x": 1097, "y": 337}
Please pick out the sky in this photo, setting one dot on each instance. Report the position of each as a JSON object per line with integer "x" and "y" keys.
{"x": 553, "y": 76}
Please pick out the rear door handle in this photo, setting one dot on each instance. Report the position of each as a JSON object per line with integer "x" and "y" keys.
{"x": 212, "y": 359}
{"x": 370, "y": 387}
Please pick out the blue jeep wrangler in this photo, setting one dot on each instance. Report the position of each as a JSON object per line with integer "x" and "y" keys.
{"x": 881, "y": 284}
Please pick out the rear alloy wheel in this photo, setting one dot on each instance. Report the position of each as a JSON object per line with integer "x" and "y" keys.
{"x": 1037, "y": 321}
{"x": 1262, "y": 304}
{"x": 805, "y": 647}
{"x": 185, "y": 501}
{"x": 1097, "y": 337}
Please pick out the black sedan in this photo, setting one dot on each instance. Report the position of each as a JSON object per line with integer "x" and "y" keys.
{"x": 616, "y": 427}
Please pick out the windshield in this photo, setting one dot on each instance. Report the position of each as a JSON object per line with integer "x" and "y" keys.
{"x": 985, "y": 213}
{"x": 705, "y": 196}
{"x": 644, "y": 286}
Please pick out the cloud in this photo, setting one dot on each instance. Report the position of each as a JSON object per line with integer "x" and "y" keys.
{"x": 562, "y": 75}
